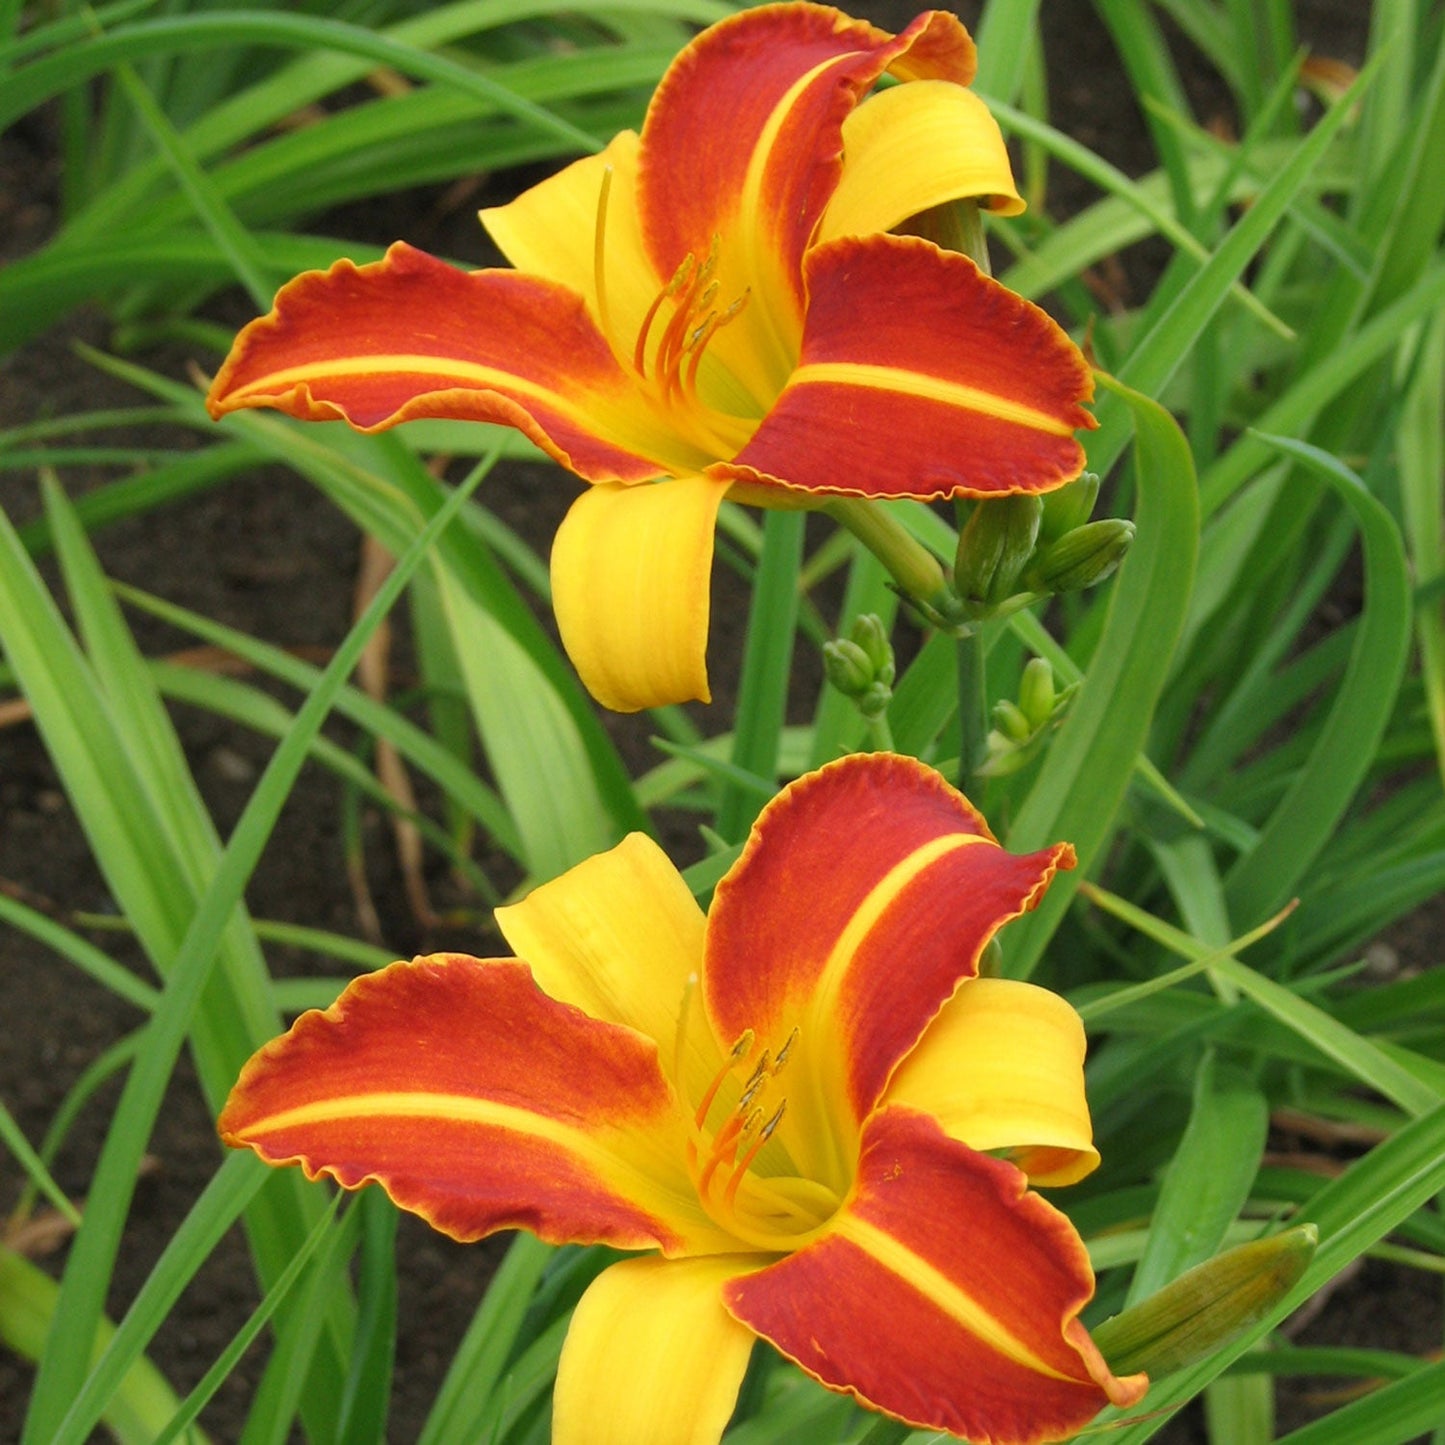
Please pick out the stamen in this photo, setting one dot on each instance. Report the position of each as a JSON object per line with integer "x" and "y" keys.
{"x": 755, "y": 1082}
{"x": 745, "y": 1163}
{"x": 724, "y": 1148}
{"x": 785, "y": 1051}
{"x": 736, "y": 1054}
{"x": 680, "y": 279}
{"x": 700, "y": 339}
{"x": 696, "y": 346}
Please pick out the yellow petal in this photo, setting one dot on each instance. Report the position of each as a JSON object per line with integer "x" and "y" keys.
{"x": 1002, "y": 1067}
{"x": 913, "y": 147}
{"x": 631, "y": 571}
{"x": 619, "y": 936}
{"x": 652, "y": 1356}
{"x": 551, "y": 230}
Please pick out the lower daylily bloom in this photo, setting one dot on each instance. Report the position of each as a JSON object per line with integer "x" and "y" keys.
{"x": 820, "y": 1124}
{"x": 717, "y": 302}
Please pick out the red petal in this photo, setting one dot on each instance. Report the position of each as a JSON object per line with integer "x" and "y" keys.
{"x": 410, "y": 336}
{"x": 865, "y": 894}
{"x": 477, "y": 1102}
{"x": 920, "y": 377}
{"x": 743, "y": 138}
{"x": 945, "y": 1294}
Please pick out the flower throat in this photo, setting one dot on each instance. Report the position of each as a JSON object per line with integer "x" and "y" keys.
{"x": 670, "y": 383}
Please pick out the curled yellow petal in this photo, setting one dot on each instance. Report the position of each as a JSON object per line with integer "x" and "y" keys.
{"x": 631, "y": 568}
{"x": 1002, "y": 1067}
{"x": 913, "y": 147}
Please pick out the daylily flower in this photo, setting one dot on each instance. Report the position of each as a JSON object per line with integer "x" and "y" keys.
{"x": 715, "y": 302}
{"x": 806, "y": 1107}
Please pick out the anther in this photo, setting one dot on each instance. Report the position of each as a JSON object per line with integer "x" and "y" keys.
{"x": 739, "y": 1051}
{"x": 785, "y": 1050}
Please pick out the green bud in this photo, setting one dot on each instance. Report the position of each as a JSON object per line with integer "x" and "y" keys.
{"x": 1068, "y": 507}
{"x": 869, "y": 634}
{"x": 1009, "y": 719}
{"x": 1207, "y": 1307}
{"x": 1036, "y": 693}
{"x": 861, "y": 666}
{"x": 848, "y": 667}
{"x": 994, "y": 548}
{"x": 1082, "y": 557}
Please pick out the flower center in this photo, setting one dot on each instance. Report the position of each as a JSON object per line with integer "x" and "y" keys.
{"x": 760, "y": 1198}
{"x": 671, "y": 341}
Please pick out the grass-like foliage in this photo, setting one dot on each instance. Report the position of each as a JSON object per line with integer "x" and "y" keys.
{"x": 1253, "y": 785}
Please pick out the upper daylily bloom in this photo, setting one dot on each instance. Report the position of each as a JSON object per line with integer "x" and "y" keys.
{"x": 716, "y": 302}
{"x": 805, "y": 1106}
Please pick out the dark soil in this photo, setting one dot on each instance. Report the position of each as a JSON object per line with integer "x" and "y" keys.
{"x": 269, "y": 555}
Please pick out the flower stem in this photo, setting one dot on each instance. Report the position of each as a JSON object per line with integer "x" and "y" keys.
{"x": 880, "y": 735}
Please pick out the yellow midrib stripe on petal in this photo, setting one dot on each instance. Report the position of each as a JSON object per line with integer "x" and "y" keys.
{"x": 639, "y": 1184}
{"x": 451, "y": 1108}
{"x": 760, "y": 263}
{"x": 934, "y": 1285}
{"x": 646, "y": 1171}
{"x": 929, "y": 388}
{"x": 826, "y": 1065}
{"x": 471, "y": 373}
{"x": 880, "y": 897}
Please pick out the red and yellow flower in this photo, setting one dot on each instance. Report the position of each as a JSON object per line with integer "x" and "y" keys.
{"x": 805, "y": 1106}
{"x": 716, "y": 301}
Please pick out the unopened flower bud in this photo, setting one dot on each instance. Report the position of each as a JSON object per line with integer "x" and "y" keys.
{"x": 848, "y": 667}
{"x": 1011, "y": 722}
{"x": 1082, "y": 557}
{"x": 994, "y": 548}
{"x": 869, "y": 634}
{"x": 861, "y": 665}
{"x": 1068, "y": 507}
{"x": 1036, "y": 692}
{"x": 1208, "y": 1306}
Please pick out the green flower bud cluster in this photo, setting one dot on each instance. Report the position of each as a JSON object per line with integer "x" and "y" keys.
{"x": 1017, "y": 548}
{"x": 1020, "y": 728}
{"x": 861, "y": 665}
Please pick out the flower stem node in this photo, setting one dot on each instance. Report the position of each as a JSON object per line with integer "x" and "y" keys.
{"x": 1081, "y": 558}
{"x": 861, "y": 665}
{"x": 1208, "y": 1306}
{"x": 994, "y": 548}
